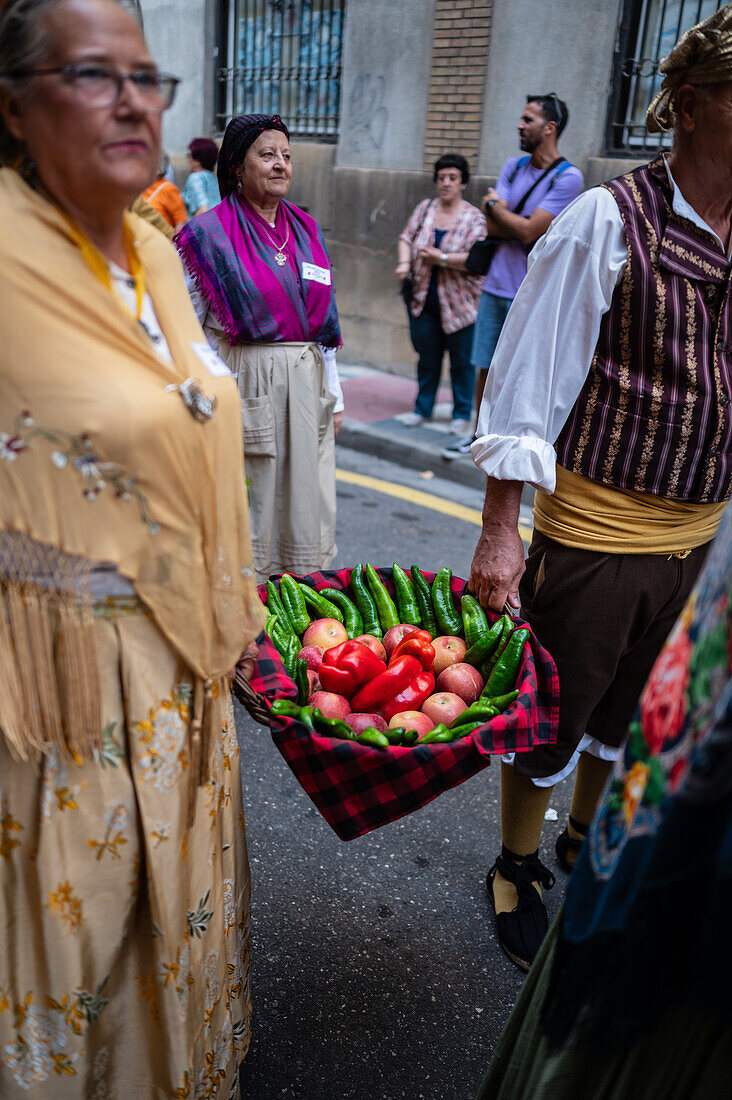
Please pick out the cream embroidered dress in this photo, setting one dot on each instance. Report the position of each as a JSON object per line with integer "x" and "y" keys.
{"x": 124, "y": 881}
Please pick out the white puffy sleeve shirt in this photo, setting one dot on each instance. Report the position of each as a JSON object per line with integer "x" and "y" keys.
{"x": 549, "y": 337}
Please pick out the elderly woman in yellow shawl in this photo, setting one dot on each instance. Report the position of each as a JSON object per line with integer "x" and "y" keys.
{"x": 126, "y": 596}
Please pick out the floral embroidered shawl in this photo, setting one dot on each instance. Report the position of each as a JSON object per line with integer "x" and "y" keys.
{"x": 230, "y": 251}
{"x": 100, "y": 459}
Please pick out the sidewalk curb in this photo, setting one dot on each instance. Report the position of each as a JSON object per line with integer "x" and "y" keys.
{"x": 382, "y": 444}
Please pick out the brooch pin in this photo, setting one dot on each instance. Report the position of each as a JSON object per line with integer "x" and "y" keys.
{"x": 199, "y": 405}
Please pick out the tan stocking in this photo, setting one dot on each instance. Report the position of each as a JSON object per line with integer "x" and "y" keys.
{"x": 589, "y": 783}
{"x": 522, "y": 817}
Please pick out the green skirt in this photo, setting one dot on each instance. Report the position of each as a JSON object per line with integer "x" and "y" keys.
{"x": 684, "y": 1056}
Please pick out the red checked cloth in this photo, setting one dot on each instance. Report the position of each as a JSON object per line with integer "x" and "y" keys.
{"x": 358, "y": 788}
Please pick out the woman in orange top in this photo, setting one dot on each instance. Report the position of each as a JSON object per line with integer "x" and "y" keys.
{"x": 165, "y": 197}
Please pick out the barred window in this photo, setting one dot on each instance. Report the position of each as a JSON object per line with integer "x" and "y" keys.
{"x": 648, "y": 31}
{"x": 283, "y": 57}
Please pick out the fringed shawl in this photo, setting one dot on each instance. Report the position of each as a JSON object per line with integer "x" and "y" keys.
{"x": 101, "y": 461}
{"x": 230, "y": 252}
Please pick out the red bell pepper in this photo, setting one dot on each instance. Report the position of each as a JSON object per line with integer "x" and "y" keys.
{"x": 396, "y": 678}
{"x": 411, "y": 698}
{"x": 348, "y": 666}
{"x": 417, "y": 644}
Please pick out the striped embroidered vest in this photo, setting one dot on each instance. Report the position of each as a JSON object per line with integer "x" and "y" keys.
{"x": 654, "y": 412}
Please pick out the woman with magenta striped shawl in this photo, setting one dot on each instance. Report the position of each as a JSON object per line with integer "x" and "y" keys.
{"x": 264, "y": 294}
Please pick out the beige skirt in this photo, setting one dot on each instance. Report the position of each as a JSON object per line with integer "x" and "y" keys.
{"x": 289, "y": 453}
{"x": 124, "y": 909}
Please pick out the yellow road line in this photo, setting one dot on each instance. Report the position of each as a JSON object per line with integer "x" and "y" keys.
{"x": 423, "y": 500}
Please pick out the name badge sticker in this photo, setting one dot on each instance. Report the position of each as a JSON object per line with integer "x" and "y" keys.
{"x": 316, "y": 274}
{"x": 211, "y": 361}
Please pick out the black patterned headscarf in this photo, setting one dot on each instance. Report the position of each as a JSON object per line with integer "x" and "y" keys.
{"x": 240, "y": 134}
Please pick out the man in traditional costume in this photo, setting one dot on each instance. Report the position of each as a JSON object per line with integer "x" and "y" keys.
{"x": 610, "y": 394}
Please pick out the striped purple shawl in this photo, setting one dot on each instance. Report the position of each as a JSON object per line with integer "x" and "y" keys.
{"x": 232, "y": 259}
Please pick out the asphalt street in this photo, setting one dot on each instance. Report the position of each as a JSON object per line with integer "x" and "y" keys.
{"x": 375, "y": 971}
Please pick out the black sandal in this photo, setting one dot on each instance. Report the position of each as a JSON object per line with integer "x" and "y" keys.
{"x": 566, "y": 843}
{"x": 521, "y": 931}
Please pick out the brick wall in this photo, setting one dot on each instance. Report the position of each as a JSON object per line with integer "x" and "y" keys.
{"x": 457, "y": 80}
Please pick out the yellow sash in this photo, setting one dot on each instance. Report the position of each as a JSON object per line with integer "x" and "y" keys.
{"x": 588, "y": 515}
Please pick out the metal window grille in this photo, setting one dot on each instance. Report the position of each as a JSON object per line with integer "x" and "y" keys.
{"x": 648, "y": 32}
{"x": 284, "y": 57}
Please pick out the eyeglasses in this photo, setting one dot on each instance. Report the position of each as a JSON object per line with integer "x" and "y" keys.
{"x": 554, "y": 100}
{"x": 100, "y": 86}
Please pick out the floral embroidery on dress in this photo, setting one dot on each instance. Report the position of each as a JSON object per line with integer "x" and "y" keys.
{"x": 117, "y": 820}
{"x": 41, "y": 1038}
{"x": 65, "y": 904}
{"x": 213, "y": 986}
{"x": 179, "y": 973}
{"x": 161, "y": 832}
{"x": 229, "y": 906}
{"x": 9, "y": 829}
{"x": 56, "y": 791}
{"x": 198, "y": 919}
{"x": 111, "y": 753}
{"x": 77, "y": 453}
{"x": 149, "y": 993}
{"x": 99, "y": 1075}
{"x": 164, "y": 737}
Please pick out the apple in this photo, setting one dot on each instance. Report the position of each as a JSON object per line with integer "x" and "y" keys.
{"x": 373, "y": 644}
{"x": 360, "y": 722}
{"x": 449, "y": 650}
{"x": 443, "y": 706}
{"x": 324, "y": 633}
{"x": 332, "y": 705}
{"x": 313, "y": 680}
{"x": 313, "y": 654}
{"x": 461, "y": 679}
{"x": 394, "y": 635}
{"x": 412, "y": 720}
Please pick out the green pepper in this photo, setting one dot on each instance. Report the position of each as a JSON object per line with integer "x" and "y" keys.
{"x": 289, "y": 655}
{"x": 282, "y": 638}
{"x": 437, "y": 736}
{"x": 468, "y": 727}
{"x": 285, "y": 708}
{"x": 301, "y": 679}
{"x": 323, "y": 608}
{"x": 307, "y": 717}
{"x": 482, "y": 709}
{"x": 372, "y": 736}
{"x": 294, "y": 603}
{"x": 351, "y": 617}
{"x": 475, "y": 621}
{"x": 332, "y": 727}
{"x": 503, "y": 702}
{"x": 423, "y": 593}
{"x": 405, "y": 598}
{"x": 384, "y": 604}
{"x": 394, "y": 736}
{"x": 484, "y": 647}
{"x": 410, "y": 737}
{"x": 507, "y": 625}
{"x": 365, "y": 602}
{"x": 447, "y": 617}
{"x": 505, "y": 670}
{"x": 276, "y": 606}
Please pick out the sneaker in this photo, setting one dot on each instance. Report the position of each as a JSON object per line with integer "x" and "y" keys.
{"x": 459, "y": 448}
{"x": 411, "y": 419}
{"x": 460, "y": 427}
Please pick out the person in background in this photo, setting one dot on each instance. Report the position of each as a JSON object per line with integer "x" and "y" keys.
{"x": 127, "y": 594}
{"x": 264, "y": 293}
{"x": 444, "y": 300}
{"x": 541, "y": 183}
{"x": 629, "y": 995}
{"x": 165, "y": 197}
{"x": 201, "y": 189}
{"x": 610, "y": 393}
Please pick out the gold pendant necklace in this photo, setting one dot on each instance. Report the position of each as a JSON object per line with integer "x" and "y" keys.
{"x": 280, "y": 256}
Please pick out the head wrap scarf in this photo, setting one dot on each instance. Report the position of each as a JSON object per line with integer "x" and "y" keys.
{"x": 240, "y": 135}
{"x": 701, "y": 56}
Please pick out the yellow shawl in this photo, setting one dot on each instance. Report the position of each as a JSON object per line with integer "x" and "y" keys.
{"x": 99, "y": 458}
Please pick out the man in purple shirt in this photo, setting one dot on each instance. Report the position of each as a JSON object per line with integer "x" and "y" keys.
{"x": 530, "y": 192}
